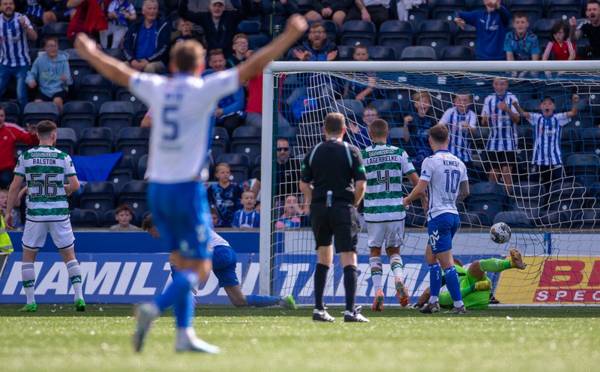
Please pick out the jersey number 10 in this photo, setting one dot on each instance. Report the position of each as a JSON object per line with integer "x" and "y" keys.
{"x": 452, "y": 180}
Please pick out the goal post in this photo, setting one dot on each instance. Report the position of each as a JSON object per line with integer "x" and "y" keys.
{"x": 559, "y": 218}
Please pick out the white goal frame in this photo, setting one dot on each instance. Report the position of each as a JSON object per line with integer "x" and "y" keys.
{"x": 369, "y": 66}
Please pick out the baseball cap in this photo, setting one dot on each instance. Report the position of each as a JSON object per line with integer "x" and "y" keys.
{"x": 217, "y": 1}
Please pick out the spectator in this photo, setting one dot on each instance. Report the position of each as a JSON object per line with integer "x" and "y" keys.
{"x": 287, "y": 169}
{"x": 562, "y": 46}
{"x": 230, "y": 110}
{"x": 89, "y": 17}
{"x": 185, "y": 31}
{"x": 416, "y": 128}
{"x": 240, "y": 50}
{"x": 292, "y": 214}
{"x": 500, "y": 114}
{"x": 123, "y": 216}
{"x": 254, "y": 102}
{"x": 216, "y": 221}
{"x": 15, "y": 30}
{"x": 225, "y": 195}
{"x": 317, "y": 48}
{"x": 403, "y": 6}
{"x": 50, "y": 73}
{"x": 219, "y": 24}
{"x": 357, "y": 134}
{"x": 146, "y": 43}
{"x": 57, "y": 12}
{"x": 591, "y": 29}
{"x": 281, "y": 10}
{"x": 461, "y": 122}
{"x": 520, "y": 44}
{"x": 16, "y": 216}
{"x": 247, "y": 217}
{"x": 120, "y": 14}
{"x": 376, "y": 11}
{"x": 491, "y": 24}
{"x": 354, "y": 89}
{"x": 336, "y": 10}
{"x": 35, "y": 12}
{"x": 10, "y": 135}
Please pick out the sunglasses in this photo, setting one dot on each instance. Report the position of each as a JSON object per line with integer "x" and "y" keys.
{"x": 280, "y": 149}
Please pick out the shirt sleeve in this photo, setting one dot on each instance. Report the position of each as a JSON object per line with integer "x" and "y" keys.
{"x": 535, "y": 45}
{"x": 20, "y": 168}
{"x": 306, "y": 175}
{"x": 358, "y": 169}
{"x": 562, "y": 119}
{"x": 513, "y": 99}
{"x": 485, "y": 111}
{"x": 69, "y": 167}
{"x": 221, "y": 84}
{"x": 407, "y": 166}
{"x": 469, "y": 17}
{"x": 533, "y": 118}
{"x": 507, "y": 42}
{"x": 112, "y": 7}
{"x": 472, "y": 119}
{"x": 426, "y": 169}
{"x": 146, "y": 86}
{"x": 446, "y": 117}
{"x": 236, "y": 219}
{"x": 463, "y": 170}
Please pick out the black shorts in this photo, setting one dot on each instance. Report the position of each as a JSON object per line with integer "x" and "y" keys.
{"x": 497, "y": 159}
{"x": 62, "y": 94}
{"x": 338, "y": 221}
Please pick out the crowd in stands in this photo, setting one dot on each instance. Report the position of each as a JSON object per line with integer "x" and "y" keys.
{"x": 37, "y": 64}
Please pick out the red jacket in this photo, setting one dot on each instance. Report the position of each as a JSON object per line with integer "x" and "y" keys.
{"x": 10, "y": 135}
{"x": 89, "y": 17}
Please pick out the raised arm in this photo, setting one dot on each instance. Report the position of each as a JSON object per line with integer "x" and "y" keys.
{"x": 254, "y": 65}
{"x": 574, "y": 108}
{"x": 417, "y": 192}
{"x": 109, "y": 67}
{"x": 522, "y": 112}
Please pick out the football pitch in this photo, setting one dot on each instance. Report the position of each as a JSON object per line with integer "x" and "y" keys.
{"x": 499, "y": 339}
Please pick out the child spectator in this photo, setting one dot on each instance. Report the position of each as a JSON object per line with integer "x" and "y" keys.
{"x": 317, "y": 48}
{"x": 562, "y": 46}
{"x": 240, "y": 50}
{"x": 491, "y": 24}
{"x": 216, "y": 221}
{"x": 357, "y": 90}
{"x": 403, "y": 6}
{"x": 124, "y": 215}
{"x": 357, "y": 134}
{"x": 50, "y": 73}
{"x": 120, "y": 14}
{"x": 500, "y": 114}
{"x": 520, "y": 44}
{"x": 225, "y": 195}
{"x": 591, "y": 29}
{"x": 247, "y": 217}
{"x": 547, "y": 128}
{"x": 292, "y": 214}
{"x": 416, "y": 128}
{"x": 16, "y": 216}
{"x": 461, "y": 122}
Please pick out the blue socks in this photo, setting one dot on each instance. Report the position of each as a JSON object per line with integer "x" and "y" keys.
{"x": 453, "y": 285}
{"x": 435, "y": 280}
{"x": 179, "y": 295}
{"x": 262, "y": 301}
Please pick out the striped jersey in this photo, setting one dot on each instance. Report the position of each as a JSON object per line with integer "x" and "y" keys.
{"x": 503, "y": 132}
{"x": 385, "y": 166}
{"x": 547, "y": 132}
{"x": 444, "y": 173}
{"x": 460, "y": 144}
{"x": 14, "y": 50}
{"x": 45, "y": 169}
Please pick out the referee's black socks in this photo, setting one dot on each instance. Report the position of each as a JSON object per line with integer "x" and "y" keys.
{"x": 350, "y": 286}
{"x": 320, "y": 280}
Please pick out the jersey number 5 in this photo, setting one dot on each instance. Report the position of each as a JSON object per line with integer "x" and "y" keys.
{"x": 171, "y": 131}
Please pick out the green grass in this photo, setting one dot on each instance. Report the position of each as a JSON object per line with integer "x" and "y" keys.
{"x": 501, "y": 339}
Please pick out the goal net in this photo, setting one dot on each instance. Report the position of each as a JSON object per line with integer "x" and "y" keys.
{"x": 538, "y": 171}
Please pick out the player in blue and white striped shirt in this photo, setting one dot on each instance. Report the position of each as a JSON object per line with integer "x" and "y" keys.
{"x": 499, "y": 113}
{"x": 547, "y": 128}
{"x": 461, "y": 122}
{"x": 15, "y": 29}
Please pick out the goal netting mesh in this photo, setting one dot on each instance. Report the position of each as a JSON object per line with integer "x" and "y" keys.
{"x": 553, "y": 211}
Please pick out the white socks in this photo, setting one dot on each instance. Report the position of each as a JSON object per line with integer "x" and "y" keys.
{"x": 28, "y": 277}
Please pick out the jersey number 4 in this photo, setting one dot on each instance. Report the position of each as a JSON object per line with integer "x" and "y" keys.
{"x": 383, "y": 177}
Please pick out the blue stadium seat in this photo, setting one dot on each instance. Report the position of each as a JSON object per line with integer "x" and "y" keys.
{"x": 116, "y": 115}
{"x": 470, "y": 219}
{"x": 78, "y": 115}
{"x": 134, "y": 194}
{"x": 239, "y": 164}
{"x": 457, "y": 53}
{"x": 350, "y": 107}
{"x": 354, "y": 32}
{"x": 446, "y": 9}
{"x": 107, "y": 219}
{"x": 381, "y": 53}
{"x": 120, "y": 177}
{"x": 418, "y": 53}
{"x": 220, "y": 141}
{"x": 590, "y": 138}
{"x": 142, "y": 165}
{"x": 486, "y": 210}
{"x": 543, "y": 29}
{"x": 345, "y": 52}
{"x": 585, "y": 218}
{"x": 84, "y": 218}
{"x": 533, "y": 8}
{"x": 95, "y": 141}
{"x": 417, "y": 15}
{"x": 514, "y": 219}
{"x": 133, "y": 141}
{"x": 466, "y": 36}
{"x": 584, "y": 164}
{"x": 67, "y": 140}
{"x": 388, "y": 109}
{"x": 12, "y": 112}
{"x": 96, "y": 89}
{"x": 246, "y": 140}
{"x": 79, "y": 68}
{"x": 564, "y": 9}
{"x": 37, "y": 111}
{"x": 570, "y": 141}
{"x": 249, "y": 27}
{"x": 258, "y": 41}
{"x": 434, "y": 33}
{"x": 394, "y": 32}
{"x": 563, "y": 197}
{"x": 59, "y": 31}
{"x": 484, "y": 191}
{"x": 98, "y": 196}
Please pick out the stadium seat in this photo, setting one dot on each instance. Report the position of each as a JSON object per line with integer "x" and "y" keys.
{"x": 95, "y": 141}
{"x": 350, "y": 107}
{"x": 120, "y": 177}
{"x": 486, "y": 210}
{"x": 487, "y": 191}
{"x": 418, "y": 15}
{"x": 332, "y": 30}
{"x": 590, "y": 139}
{"x": 246, "y": 140}
{"x": 239, "y": 164}
{"x": 381, "y": 53}
{"x": 533, "y": 8}
{"x": 567, "y": 197}
{"x": 584, "y": 164}
{"x": 79, "y": 67}
{"x": 287, "y": 132}
{"x": 142, "y": 165}
{"x": 78, "y": 115}
{"x": 59, "y": 31}
{"x": 116, "y": 115}
{"x": 107, "y": 219}
{"x": 133, "y": 141}
{"x": 470, "y": 219}
{"x": 354, "y": 32}
{"x": 543, "y": 29}
{"x": 466, "y": 36}
{"x": 96, "y": 89}
{"x": 134, "y": 194}
{"x": 395, "y": 31}
{"x": 446, "y": 9}
{"x": 84, "y": 218}
{"x": 67, "y": 140}
{"x": 37, "y": 111}
{"x": 457, "y": 53}
{"x": 258, "y": 41}
{"x": 345, "y": 52}
{"x": 12, "y": 112}
{"x": 563, "y": 9}
{"x": 434, "y": 33}
{"x": 514, "y": 219}
{"x": 220, "y": 141}
{"x": 98, "y": 196}
{"x": 418, "y": 53}
{"x": 249, "y": 27}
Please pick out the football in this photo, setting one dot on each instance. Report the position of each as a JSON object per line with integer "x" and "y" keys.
{"x": 500, "y": 233}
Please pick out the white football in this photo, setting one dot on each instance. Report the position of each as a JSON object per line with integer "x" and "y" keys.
{"x": 500, "y": 233}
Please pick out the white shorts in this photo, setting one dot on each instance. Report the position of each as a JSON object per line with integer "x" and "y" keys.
{"x": 385, "y": 234}
{"x": 34, "y": 234}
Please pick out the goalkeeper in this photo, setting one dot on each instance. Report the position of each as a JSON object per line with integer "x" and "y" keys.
{"x": 475, "y": 286}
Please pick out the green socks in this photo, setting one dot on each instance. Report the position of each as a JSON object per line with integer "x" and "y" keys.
{"x": 494, "y": 265}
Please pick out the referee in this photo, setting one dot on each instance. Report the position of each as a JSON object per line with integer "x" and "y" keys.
{"x": 336, "y": 172}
